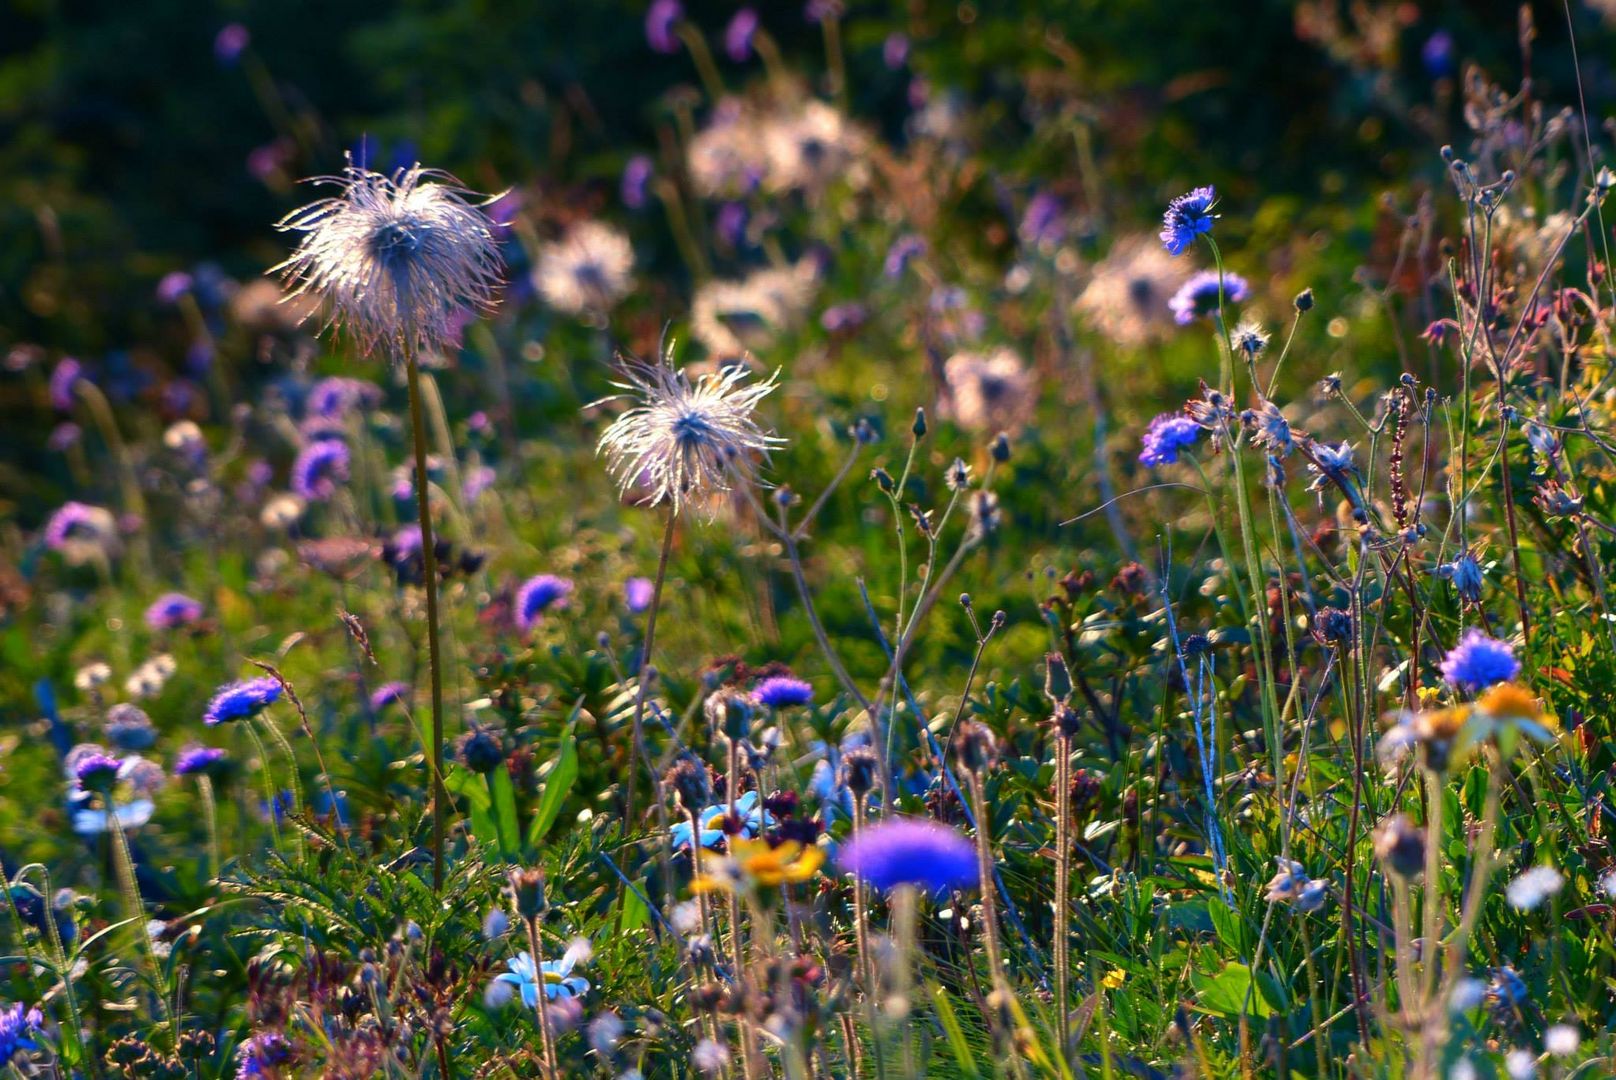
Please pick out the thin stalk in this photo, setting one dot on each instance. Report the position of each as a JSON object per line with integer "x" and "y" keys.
{"x": 546, "y": 1040}
{"x": 645, "y": 674}
{"x": 1063, "y": 872}
{"x": 429, "y": 568}
{"x": 861, "y": 934}
{"x": 210, "y": 814}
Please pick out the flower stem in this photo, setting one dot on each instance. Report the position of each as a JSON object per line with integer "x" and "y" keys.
{"x": 546, "y": 1043}
{"x": 429, "y": 574}
{"x": 645, "y": 675}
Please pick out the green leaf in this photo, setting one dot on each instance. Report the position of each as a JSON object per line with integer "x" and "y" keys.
{"x": 470, "y": 787}
{"x": 956, "y": 1035}
{"x": 557, "y": 785}
{"x": 1229, "y": 992}
{"x": 505, "y": 826}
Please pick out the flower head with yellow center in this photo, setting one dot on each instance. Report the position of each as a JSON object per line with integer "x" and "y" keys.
{"x": 756, "y": 864}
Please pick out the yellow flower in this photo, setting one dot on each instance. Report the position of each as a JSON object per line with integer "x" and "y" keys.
{"x": 755, "y": 863}
{"x": 1114, "y": 979}
{"x": 1507, "y": 701}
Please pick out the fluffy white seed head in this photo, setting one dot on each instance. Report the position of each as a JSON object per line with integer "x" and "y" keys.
{"x": 684, "y": 439}
{"x": 399, "y": 259}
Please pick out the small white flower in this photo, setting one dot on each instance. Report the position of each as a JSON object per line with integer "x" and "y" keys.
{"x": 1462, "y": 1070}
{"x": 587, "y": 271}
{"x": 1467, "y": 994}
{"x": 1520, "y": 1064}
{"x": 710, "y": 1057}
{"x": 1533, "y": 887}
{"x": 91, "y": 676}
{"x": 686, "y": 917}
{"x": 1562, "y": 1040}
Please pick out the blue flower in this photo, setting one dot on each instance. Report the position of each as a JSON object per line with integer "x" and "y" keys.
{"x": 782, "y": 691}
{"x": 1198, "y": 296}
{"x": 904, "y": 250}
{"x": 97, "y": 771}
{"x": 319, "y": 468}
{"x": 910, "y": 851}
{"x": 1168, "y": 434}
{"x": 241, "y": 700}
{"x": 261, "y": 1053}
{"x": 197, "y": 759}
{"x": 537, "y": 595}
{"x": 390, "y": 693}
{"x": 1187, "y": 217}
{"x": 753, "y": 819}
{"x": 18, "y": 1026}
{"x": 1479, "y": 661}
{"x": 171, "y": 611}
{"x": 559, "y": 982}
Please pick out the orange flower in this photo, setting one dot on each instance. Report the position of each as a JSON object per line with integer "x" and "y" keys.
{"x": 755, "y": 863}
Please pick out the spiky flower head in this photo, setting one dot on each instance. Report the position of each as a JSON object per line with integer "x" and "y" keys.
{"x": 399, "y": 258}
{"x": 196, "y": 759}
{"x": 241, "y": 700}
{"x": 537, "y": 595}
{"x": 172, "y": 611}
{"x": 1187, "y": 217}
{"x": 685, "y": 438}
{"x": 586, "y": 271}
{"x": 1479, "y": 661}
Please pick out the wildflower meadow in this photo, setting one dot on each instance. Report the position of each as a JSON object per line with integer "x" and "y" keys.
{"x": 829, "y": 540}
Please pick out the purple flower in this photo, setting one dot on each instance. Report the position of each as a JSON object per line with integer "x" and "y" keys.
{"x": 738, "y": 35}
{"x": 262, "y": 1054}
{"x": 63, "y": 381}
{"x": 503, "y": 211}
{"x": 1437, "y": 55}
{"x": 729, "y": 225}
{"x": 783, "y": 691}
{"x": 1187, "y": 217}
{"x": 241, "y": 700}
{"x": 1479, "y": 661}
{"x": 844, "y": 317}
{"x": 636, "y": 179}
{"x": 333, "y": 397}
{"x": 637, "y": 593}
{"x": 1198, "y": 296}
{"x": 319, "y": 468}
{"x": 391, "y": 693}
{"x": 197, "y": 759}
{"x": 1165, "y": 437}
{"x": 895, "y": 51}
{"x": 659, "y": 22}
{"x": 63, "y": 435}
{"x": 173, "y": 286}
{"x": 230, "y": 43}
{"x": 478, "y": 480}
{"x": 18, "y": 1026}
{"x": 75, "y": 521}
{"x": 910, "y": 851}
{"x": 537, "y": 595}
{"x": 904, "y": 250}
{"x": 1043, "y": 224}
{"x": 96, "y": 771}
{"x": 172, "y": 611}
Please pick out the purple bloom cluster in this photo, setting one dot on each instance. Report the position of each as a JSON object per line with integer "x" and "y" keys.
{"x": 1187, "y": 217}
{"x": 636, "y": 181}
{"x": 319, "y": 468}
{"x": 172, "y": 611}
{"x": 73, "y": 521}
{"x": 660, "y": 19}
{"x": 390, "y": 693}
{"x": 1198, "y": 296}
{"x": 335, "y": 396}
{"x": 262, "y": 1054}
{"x": 230, "y": 43}
{"x": 783, "y": 691}
{"x": 904, "y": 250}
{"x": 537, "y": 595}
{"x": 64, "y": 378}
{"x": 196, "y": 758}
{"x": 1479, "y": 661}
{"x": 18, "y": 1026}
{"x": 241, "y": 700}
{"x": 910, "y": 851}
{"x": 738, "y": 35}
{"x": 637, "y": 593}
{"x": 96, "y": 771}
{"x": 1166, "y": 436}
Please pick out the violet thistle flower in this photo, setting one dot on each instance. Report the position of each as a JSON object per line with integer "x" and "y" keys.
{"x": 537, "y": 595}
{"x": 910, "y": 851}
{"x": 738, "y": 35}
{"x": 96, "y": 771}
{"x": 319, "y": 468}
{"x": 390, "y": 693}
{"x": 64, "y": 380}
{"x": 637, "y": 593}
{"x": 1479, "y": 661}
{"x": 171, "y": 611}
{"x": 661, "y": 18}
{"x": 196, "y": 759}
{"x": 78, "y": 528}
{"x": 782, "y": 692}
{"x": 1188, "y": 216}
{"x": 241, "y": 700}
{"x": 1167, "y": 436}
{"x": 1198, "y": 297}
{"x": 636, "y": 180}
{"x": 397, "y": 258}
{"x": 687, "y": 439}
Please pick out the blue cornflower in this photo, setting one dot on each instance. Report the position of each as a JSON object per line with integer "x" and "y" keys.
{"x": 1479, "y": 661}
{"x": 241, "y": 700}
{"x": 538, "y": 595}
{"x": 1168, "y": 434}
{"x": 559, "y": 982}
{"x": 18, "y": 1026}
{"x": 197, "y": 759}
{"x": 1198, "y": 297}
{"x": 783, "y": 691}
{"x": 910, "y": 851}
{"x": 390, "y": 693}
{"x": 1187, "y": 217}
{"x": 753, "y": 820}
{"x": 319, "y": 468}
